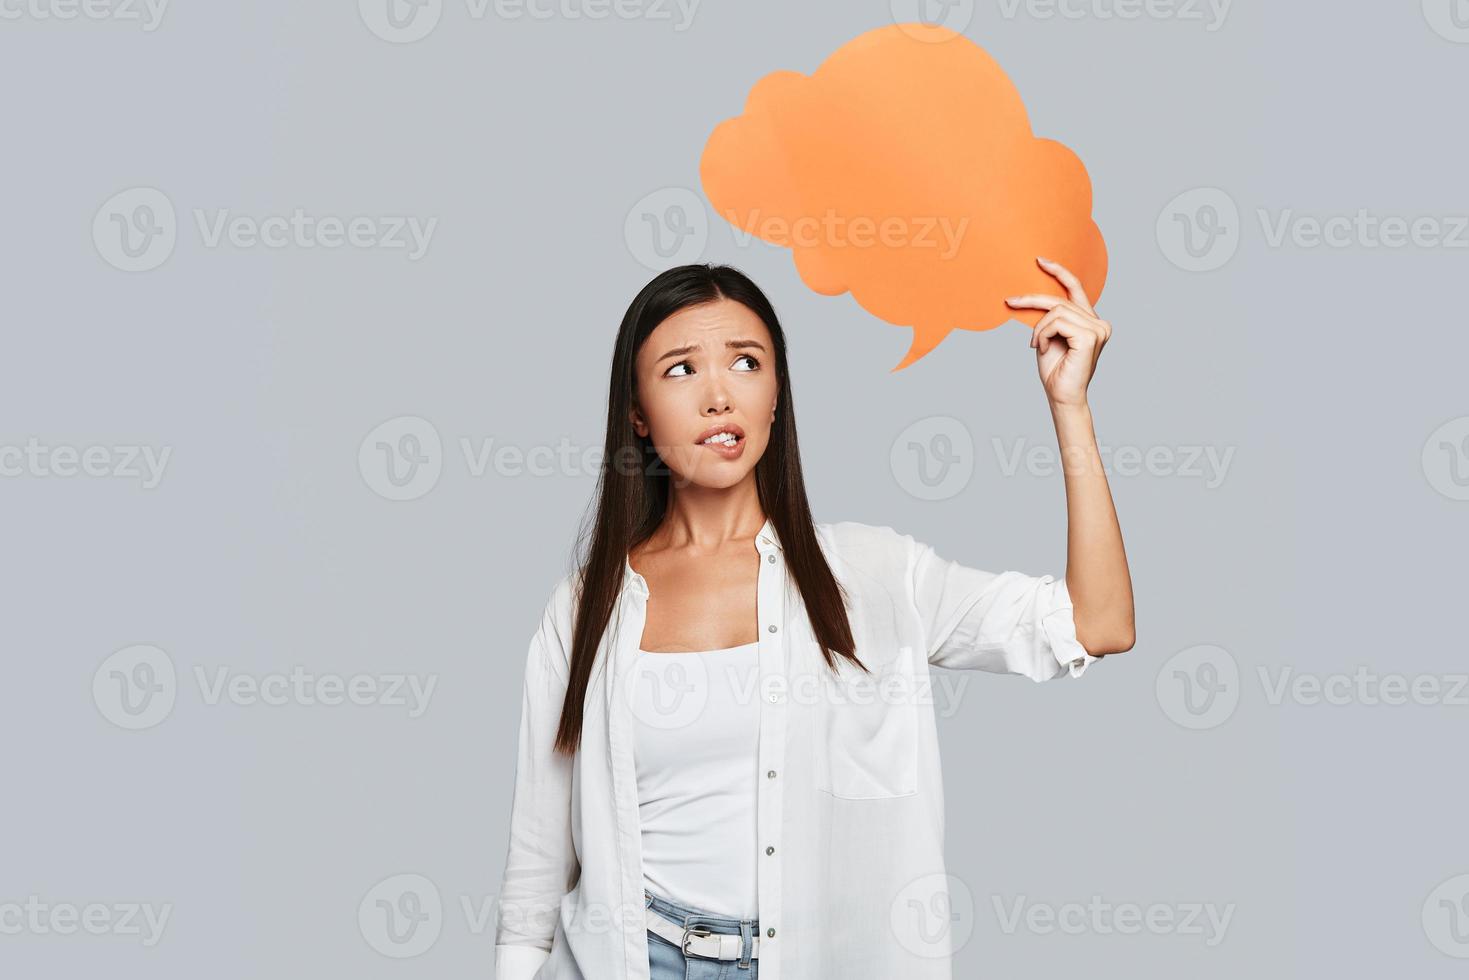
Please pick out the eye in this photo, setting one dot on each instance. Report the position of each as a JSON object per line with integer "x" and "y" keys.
{"x": 674, "y": 372}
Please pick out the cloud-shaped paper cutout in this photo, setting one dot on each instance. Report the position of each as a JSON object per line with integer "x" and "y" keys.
{"x": 904, "y": 170}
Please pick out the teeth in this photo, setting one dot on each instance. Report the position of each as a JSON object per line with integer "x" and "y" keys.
{"x": 723, "y": 438}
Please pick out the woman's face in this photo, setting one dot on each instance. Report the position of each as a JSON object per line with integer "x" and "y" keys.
{"x": 707, "y": 368}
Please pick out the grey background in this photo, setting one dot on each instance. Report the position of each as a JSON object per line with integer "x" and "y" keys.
{"x": 1326, "y": 546}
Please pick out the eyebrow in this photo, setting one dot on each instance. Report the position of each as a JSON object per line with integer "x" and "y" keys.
{"x": 729, "y": 345}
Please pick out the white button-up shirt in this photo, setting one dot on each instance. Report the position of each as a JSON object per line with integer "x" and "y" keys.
{"x": 850, "y": 806}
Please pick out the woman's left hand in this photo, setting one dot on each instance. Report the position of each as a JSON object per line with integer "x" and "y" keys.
{"x": 1068, "y": 339}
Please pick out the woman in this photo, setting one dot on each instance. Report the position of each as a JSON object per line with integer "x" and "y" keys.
{"x": 727, "y": 766}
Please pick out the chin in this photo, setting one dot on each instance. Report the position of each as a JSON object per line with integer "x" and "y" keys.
{"x": 711, "y": 480}
{"x": 715, "y": 474}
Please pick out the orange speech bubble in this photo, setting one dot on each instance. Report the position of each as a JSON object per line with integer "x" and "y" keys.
{"x": 905, "y": 171}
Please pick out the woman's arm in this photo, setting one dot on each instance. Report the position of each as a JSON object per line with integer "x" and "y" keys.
{"x": 1096, "y": 565}
{"x": 540, "y": 862}
{"x": 1068, "y": 340}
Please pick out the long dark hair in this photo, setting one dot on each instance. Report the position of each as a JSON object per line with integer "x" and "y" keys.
{"x": 633, "y": 499}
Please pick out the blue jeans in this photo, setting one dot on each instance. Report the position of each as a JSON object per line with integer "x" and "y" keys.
{"x": 667, "y": 961}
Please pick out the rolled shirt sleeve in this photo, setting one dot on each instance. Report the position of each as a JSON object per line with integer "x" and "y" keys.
{"x": 1009, "y": 623}
{"x": 540, "y": 864}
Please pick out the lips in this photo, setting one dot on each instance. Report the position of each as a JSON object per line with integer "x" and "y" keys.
{"x": 725, "y": 431}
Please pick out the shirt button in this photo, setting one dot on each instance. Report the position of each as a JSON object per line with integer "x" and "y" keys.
{"x": 770, "y": 850}
{"x": 774, "y": 698}
{"x": 770, "y": 932}
{"x": 770, "y": 774}
{"x": 771, "y": 627}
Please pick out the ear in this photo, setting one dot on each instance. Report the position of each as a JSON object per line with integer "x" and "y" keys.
{"x": 639, "y": 424}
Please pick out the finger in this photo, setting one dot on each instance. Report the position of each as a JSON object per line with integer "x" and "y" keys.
{"x": 1069, "y": 331}
{"x": 1060, "y": 312}
{"x": 1077, "y": 334}
{"x": 1044, "y": 322}
{"x": 1074, "y": 288}
{"x": 1041, "y": 301}
{"x": 1102, "y": 327}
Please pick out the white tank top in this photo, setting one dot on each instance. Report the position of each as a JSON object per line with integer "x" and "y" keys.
{"x": 697, "y": 716}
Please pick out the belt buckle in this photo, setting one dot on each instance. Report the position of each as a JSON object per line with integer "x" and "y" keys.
{"x": 688, "y": 931}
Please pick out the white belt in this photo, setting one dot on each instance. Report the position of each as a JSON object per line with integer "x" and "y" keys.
{"x": 699, "y": 941}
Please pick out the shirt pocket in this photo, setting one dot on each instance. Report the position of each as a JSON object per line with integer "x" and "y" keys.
{"x": 866, "y": 743}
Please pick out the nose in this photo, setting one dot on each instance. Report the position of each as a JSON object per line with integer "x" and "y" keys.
{"x": 717, "y": 400}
